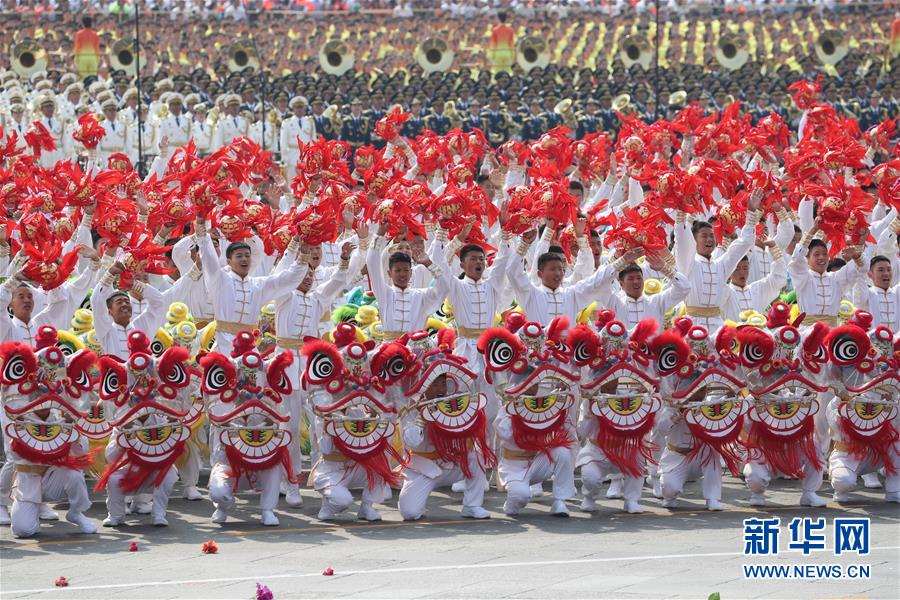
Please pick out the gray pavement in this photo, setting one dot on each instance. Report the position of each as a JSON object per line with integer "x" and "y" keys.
{"x": 687, "y": 552}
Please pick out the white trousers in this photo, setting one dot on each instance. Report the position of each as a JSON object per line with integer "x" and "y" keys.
{"x": 757, "y": 476}
{"x": 845, "y": 468}
{"x": 539, "y": 469}
{"x": 675, "y": 469}
{"x": 335, "y": 486}
{"x": 595, "y": 472}
{"x": 32, "y": 489}
{"x": 418, "y": 486}
{"x": 221, "y": 486}
{"x": 115, "y": 497}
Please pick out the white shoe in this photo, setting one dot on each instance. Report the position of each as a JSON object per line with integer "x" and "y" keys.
{"x": 631, "y": 506}
{"x": 159, "y": 521}
{"x": 892, "y": 497}
{"x": 325, "y": 513}
{"x": 588, "y": 504}
{"x": 657, "y": 487}
{"x": 841, "y": 497}
{"x": 368, "y": 513}
{"x": 84, "y": 524}
{"x": 192, "y": 493}
{"x": 871, "y": 481}
{"x": 475, "y": 512}
{"x": 670, "y": 502}
{"x": 269, "y": 519}
{"x": 458, "y": 486}
{"x": 757, "y": 499}
{"x": 537, "y": 490}
{"x": 4, "y": 516}
{"x": 559, "y": 509}
{"x": 510, "y": 510}
{"x": 219, "y": 516}
{"x": 142, "y": 508}
{"x": 615, "y": 489}
{"x": 713, "y": 505}
{"x": 293, "y": 497}
{"x": 812, "y": 499}
{"x": 110, "y": 522}
{"x": 48, "y": 514}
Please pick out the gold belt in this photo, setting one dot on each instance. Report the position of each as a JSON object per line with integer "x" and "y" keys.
{"x": 842, "y": 446}
{"x": 685, "y": 450}
{"x": 469, "y": 332}
{"x": 232, "y": 328}
{"x": 702, "y": 311}
{"x": 289, "y": 343}
{"x": 334, "y": 457}
{"x": 428, "y": 455}
{"x": 36, "y": 469}
{"x": 518, "y": 454}
{"x": 829, "y": 320}
{"x": 390, "y": 336}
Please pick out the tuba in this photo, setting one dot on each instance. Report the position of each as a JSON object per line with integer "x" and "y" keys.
{"x": 731, "y": 51}
{"x": 335, "y": 57}
{"x": 622, "y": 103}
{"x": 28, "y": 58}
{"x": 452, "y": 114}
{"x": 122, "y": 58}
{"x": 531, "y": 52}
{"x": 563, "y": 108}
{"x": 333, "y": 114}
{"x": 831, "y": 47}
{"x": 242, "y": 55}
{"x": 635, "y": 50}
{"x": 433, "y": 55}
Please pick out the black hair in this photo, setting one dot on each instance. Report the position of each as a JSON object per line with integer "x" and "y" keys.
{"x": 816, "y": 243}
{"x": 698, "y": 225}
{"x": 556, "y": 249}
{"x": 469, "y": 248}
{"x": 877, "y": 259}
{"x": 501, "y": 16}
{"x": 235, "y": 246}
{"x": 113, "y": 296}
{"x": 399, "y": 257}
{"x": 797, "y": 229}
{"x": 835, "y": 263}
{"x": 87, "y": 21}
{"x": 576, "y": 185}
{"x": 745, "y": 257}
{"x": 594, "y": 233}
{"x": 630, "y": 268}
{"x": 547, "y": 257}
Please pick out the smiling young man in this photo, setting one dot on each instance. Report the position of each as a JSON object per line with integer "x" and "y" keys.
{"x": 760, "y": 293}
{"x": 819, "y": 292}
{"x": 550, "y": 299}
{"x": 237, "y": 297}
{"x": 708, "y": 274}
{"x": 402, "y": 307}
{"x": 879, "y": 298}
{"x": 632, "y": 305}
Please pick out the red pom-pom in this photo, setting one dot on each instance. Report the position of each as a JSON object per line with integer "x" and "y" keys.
{"x": 209, "y": 547}
{"x": 328, "y": 572}
{"x": 62, "y": 582}
{"x": 133, "y": 547}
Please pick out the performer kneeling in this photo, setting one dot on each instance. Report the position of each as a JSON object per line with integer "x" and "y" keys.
{"x": 444, "y": 428}
{"x": 536, "y": 429}
{"x": 40, "y": 391}
{"x": 249, "y": 434}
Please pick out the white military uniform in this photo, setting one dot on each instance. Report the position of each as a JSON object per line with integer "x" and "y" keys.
{"x": 228, "y": 128}
{"x": 115, "y": 140}
{"x": 292, "y": 129}
{"x": 177, "y": 128}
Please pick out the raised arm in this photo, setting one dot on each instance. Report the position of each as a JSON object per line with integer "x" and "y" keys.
{"x": 742, "y": 245}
